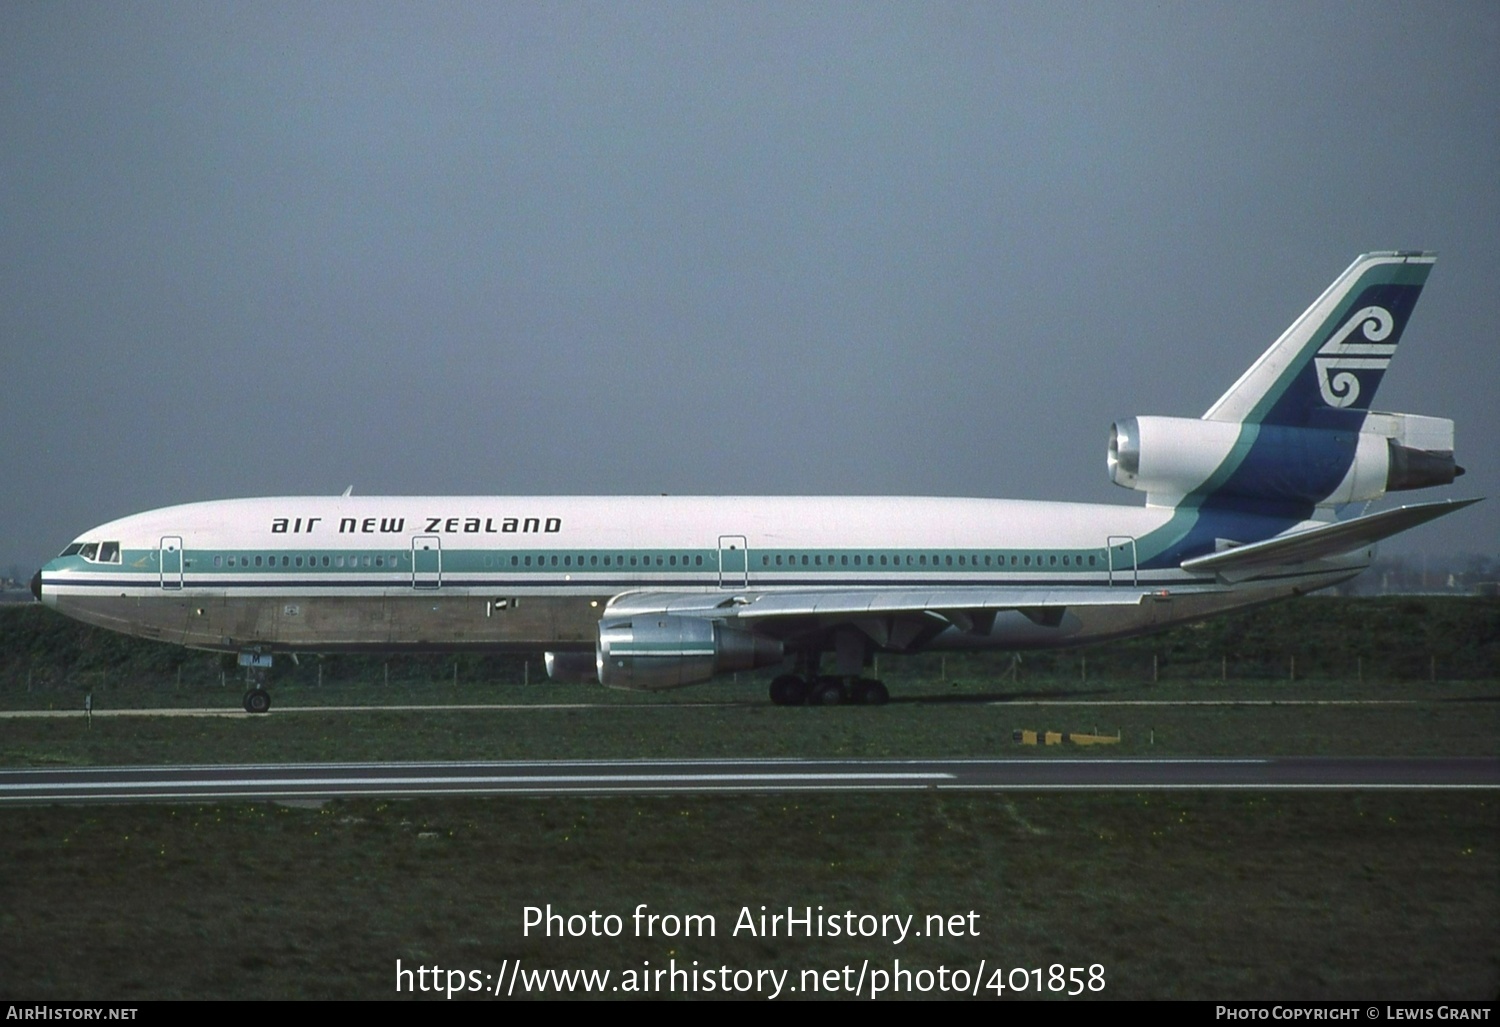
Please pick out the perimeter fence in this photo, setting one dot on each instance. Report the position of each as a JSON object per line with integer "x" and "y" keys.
{"x": 1404, "y": 639}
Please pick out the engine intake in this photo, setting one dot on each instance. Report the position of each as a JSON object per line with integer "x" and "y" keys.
{"x": 658, "y": 651}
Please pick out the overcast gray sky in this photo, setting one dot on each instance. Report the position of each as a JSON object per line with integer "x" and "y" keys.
{"x": 257, "y": 249}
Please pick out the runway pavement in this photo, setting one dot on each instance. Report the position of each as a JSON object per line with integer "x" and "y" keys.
{"x": 647, "y": 777}
{"x": 238, "y": 713}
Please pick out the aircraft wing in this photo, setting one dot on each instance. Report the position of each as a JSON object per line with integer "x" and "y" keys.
{"x": 1319, "y": 543}
{"x": 956, "y": 606}
{"x": 859, "y": 603}
{"x": 897, "y": 618}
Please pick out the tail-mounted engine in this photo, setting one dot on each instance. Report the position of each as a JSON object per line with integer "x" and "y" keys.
{"x": 1172, "y": 457}
{"x": 656, "y": 651}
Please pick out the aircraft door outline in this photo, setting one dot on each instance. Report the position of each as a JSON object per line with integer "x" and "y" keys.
{"x": 734, "y": 562}
{"x": 170, "y": 560}
{"x": 1120, "y": 551}
{"x": 426, "y": 561}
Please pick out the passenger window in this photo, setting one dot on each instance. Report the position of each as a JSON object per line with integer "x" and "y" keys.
{"x": 379, "y": 561}
{"x": 218, "y": 561}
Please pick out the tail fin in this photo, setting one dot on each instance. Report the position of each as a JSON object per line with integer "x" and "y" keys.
{"x": 1325, "y": 368}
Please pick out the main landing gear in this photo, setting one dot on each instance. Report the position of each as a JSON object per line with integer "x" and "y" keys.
{"x": 827, "y": 690}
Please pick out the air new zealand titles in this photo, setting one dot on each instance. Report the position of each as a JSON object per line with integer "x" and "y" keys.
{"x": 434, "y": 525}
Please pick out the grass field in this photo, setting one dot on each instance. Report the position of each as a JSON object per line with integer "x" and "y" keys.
{"x": 1390, "y": 895}
{"x": 1214, "y": 895}
{"x": 927, "y": 719}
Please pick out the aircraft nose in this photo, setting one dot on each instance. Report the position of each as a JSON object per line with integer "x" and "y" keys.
{"x": 36, "y": 585}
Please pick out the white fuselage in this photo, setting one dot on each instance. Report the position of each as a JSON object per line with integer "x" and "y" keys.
{"x": 497, "y": 573}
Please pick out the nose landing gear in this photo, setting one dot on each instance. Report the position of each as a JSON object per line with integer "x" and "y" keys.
{"x": 256, "y": 664}
{"x": 257, "y": 700}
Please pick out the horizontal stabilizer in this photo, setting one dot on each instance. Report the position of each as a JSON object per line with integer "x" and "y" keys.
{"x": 1321, "y": 542}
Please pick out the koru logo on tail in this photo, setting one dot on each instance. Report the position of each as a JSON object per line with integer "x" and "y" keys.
{"x": 1338, "y": 360}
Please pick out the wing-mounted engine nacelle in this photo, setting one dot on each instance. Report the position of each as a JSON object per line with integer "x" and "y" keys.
{"x": 1172, "y": 457}
{"x": 656, "y": 651}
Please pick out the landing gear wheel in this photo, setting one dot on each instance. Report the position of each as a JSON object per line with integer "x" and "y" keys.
{"x": 257, "y": 700}
{"x": 869, "y": 692}
{"x": 788, "y": 690}
{"x": 827, "y": 692}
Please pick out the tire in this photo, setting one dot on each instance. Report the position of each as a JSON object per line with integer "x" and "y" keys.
{"x": 827, "y": 692}
{"x": 257, "y": 700}
{"x": 788, "y": 690}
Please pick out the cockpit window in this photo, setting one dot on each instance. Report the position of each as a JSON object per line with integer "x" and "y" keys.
{"x": 95, "y": 552}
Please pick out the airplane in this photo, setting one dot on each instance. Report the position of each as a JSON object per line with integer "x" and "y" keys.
{"x": 1249, "y": 503}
